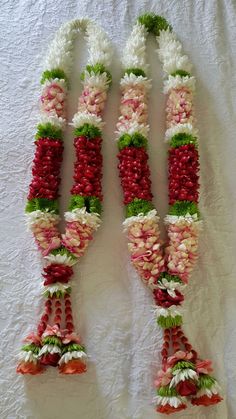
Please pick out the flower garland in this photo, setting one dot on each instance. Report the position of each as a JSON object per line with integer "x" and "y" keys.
{"x": 53, "y": 345}
{"x": 166, "y": 271}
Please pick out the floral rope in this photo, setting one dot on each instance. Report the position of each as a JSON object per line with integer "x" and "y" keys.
{"x": 166, "y": 270}
{"x": 52, "y": 344}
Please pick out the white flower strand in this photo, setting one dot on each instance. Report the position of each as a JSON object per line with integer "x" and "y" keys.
{"x": 60, "y": 51}
{"x": 135, "y": 50}
{"x": 170, "y": 53}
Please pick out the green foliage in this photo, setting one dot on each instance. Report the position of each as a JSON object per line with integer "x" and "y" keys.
{"x": 71, "y": 347}
{"x": 181, "y": 365}
{"x": 52, "y": 340}
{"x": 182, "y": 139}
{"x": 31, "y": 347}
{"x": 136, "y": 140}
{"x": 91, "y": 203}
{"x": 136, "y": 71}
{"x": 183, "y": 208}
{"x": 56, "y": 73}
{"x": 205, "y": 381}
{"x": 48, "y": 130}
{"x": 169, "y": 321}
{"x": 63, "y": 251}
{"x": 88, "y": 130}
{"x": 169, "y": 277}
{"x": 97, "y": 69}
{"x": 42, "y": 204}
{"x": 138, "y": 206}
{"x": 166, "y": 391}
{"x": 181, "y": 73}
{"x": 154, "y": 23}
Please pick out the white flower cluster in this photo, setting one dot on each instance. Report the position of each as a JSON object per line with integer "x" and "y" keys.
{"x": 172, "y": 311}
{"x": 135, "y": 50}
{"x": 57, "y": 121}
{"x": 170, "y": 286}
{"x": 54, "y": 288}
{"x": 81, "y": 118}
{"x": 215, "y": 389}
{"x": 99, "y": 46}
{"x": 151, "y": 215}
{"x": 172, "y": 401}
{"x": 179, "y": 129}
{"x": 177, "y": 82}
{"x": 182, "y": 375}
{"x": 131, "y": 80}
{"x": 171, "y": 54}
{"x": 99, "y": 81}
{"x": 28, "y": 356}
{"x": 61, "y": 48}
{"x": 49, "y": 349}
{"x": 132, "y": 127}
{"x": 80, "y": 214}
{"x": 41, "y": 217}
{"x": 183, "y": 219}
{"x": 68, "y": 356}
{"x": 60, "y": 259}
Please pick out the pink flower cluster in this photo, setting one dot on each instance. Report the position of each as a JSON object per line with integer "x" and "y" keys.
{"x": 145, "y": 247}
{"x": 46, "y": 234}
{"x": 77, "y": 237}
{"x": 181, "y": 252}
{"x": 179, "y": 109}
{"x": 92, "y": 100}
{"x": 133, "y": 106}
{"x": 53, "y": 99}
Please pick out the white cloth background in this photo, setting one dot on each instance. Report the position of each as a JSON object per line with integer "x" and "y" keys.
{"x": 111, "y": 306}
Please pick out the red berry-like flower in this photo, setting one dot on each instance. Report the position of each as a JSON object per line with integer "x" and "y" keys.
{"x": 57, "y": 273}
{"x": 46, "y": 169}
{"x": 163, "y": 299}
{"x": 88, "y": 167}
{"x": 134, "y": 174}
{"x": 186, "y": 388}
{"x": 206, "y": 400}
{"x": 50, "y": 359}
{"x": 183, "y": 174}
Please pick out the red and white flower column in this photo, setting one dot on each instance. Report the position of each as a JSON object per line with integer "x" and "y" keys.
{"x": 55, "y": 342}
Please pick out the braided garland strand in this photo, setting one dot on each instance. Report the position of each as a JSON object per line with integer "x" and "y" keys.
{"x": 184, "y": 375}
{"x": 53, "y": 345}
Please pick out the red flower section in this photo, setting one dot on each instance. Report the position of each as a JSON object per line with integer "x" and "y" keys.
{"x": 167, "y": 409}
{"x": 183, "y": 174}
{"x": 186, "y": 388}
{"x": 75, "y": 366}
{"x": 46, "y": 169}
{"x": 206, "y": 401}
{"x": 134, "y": 174}
{"x": 29, "y": 368}
{"x": 88, "y": 167}
{"x": 163, "y": 299}
{"x": 50, "y": 359}
{"x": 57, "y": 273}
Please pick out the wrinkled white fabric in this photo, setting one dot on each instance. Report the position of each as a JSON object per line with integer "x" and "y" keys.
{"x": 112, "y": 307}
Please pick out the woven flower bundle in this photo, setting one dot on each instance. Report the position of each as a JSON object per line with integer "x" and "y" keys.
{"x": 164, "y": 269}
{"x": 55, "y": 343}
